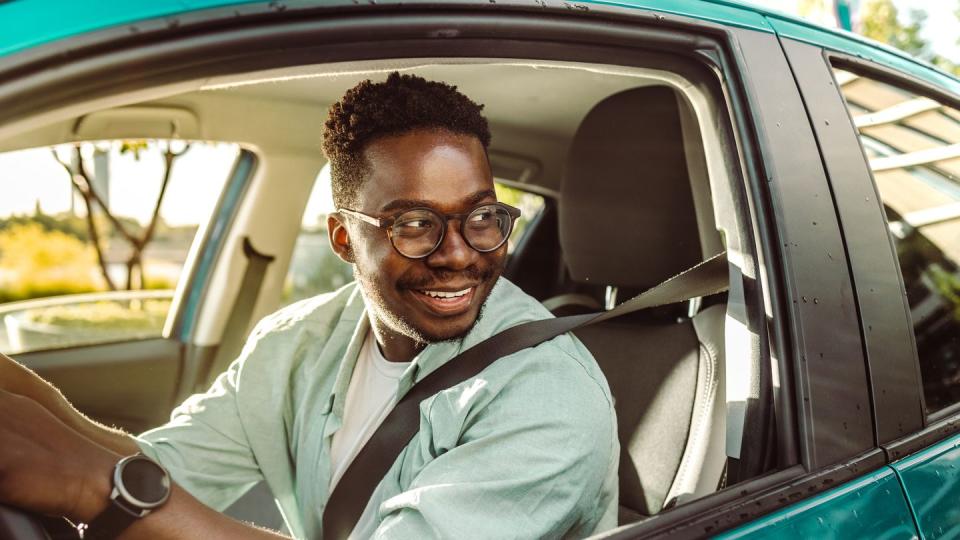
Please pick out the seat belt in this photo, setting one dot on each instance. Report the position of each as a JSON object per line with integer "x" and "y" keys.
{"x": 356, "y": 486}
{"x": 238, "y": 323}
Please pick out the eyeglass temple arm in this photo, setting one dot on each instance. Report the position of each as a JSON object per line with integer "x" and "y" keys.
{"x": 377, "y": 222}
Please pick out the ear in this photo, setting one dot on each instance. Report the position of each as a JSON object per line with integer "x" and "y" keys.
{"x": 339, "y": 237}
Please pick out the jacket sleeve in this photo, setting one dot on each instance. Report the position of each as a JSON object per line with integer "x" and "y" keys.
{"x": 204, "y": 445}
{"x": 535, "y": 458}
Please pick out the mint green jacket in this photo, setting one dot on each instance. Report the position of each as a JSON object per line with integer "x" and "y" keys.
{"x": 526, "y": 449}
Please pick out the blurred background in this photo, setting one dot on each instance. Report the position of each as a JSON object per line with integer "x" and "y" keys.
{"x": 926, "y": 29}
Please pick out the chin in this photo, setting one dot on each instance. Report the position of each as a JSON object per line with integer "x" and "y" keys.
{"x": 453, "y": 331}
{"x": 417, "y": 323}
{"x": 448, "y": 334}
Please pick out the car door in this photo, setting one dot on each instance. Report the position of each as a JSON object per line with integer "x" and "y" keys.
{"x": 795, "y": 286}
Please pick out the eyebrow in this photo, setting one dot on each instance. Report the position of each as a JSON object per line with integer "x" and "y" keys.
{"x": 470, "y": 200}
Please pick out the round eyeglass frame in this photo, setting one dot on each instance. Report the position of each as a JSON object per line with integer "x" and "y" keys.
{"x": 387, "y": 224}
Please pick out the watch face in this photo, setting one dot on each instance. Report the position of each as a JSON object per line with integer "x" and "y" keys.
{"x": 144, "y": 481}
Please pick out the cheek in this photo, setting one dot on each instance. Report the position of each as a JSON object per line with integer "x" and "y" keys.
{"x": 381, "y": 263}
{"x": 497, "y": 260}
{"x": 370, "y": 250}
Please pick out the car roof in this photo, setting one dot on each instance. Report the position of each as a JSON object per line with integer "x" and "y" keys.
{"x": 22, "y": 25}
{"x": 26, "y": 23}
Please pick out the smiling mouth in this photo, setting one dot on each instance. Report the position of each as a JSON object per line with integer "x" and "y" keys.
{"x": 446, "y": 302}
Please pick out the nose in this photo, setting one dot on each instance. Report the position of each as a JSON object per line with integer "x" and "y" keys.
{"x": 453, "y": 252}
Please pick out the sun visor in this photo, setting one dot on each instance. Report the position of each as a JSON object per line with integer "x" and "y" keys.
{"x": 139, "y": 122}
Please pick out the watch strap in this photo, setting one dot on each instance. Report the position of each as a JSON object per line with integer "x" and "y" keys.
{"x": 112, "y": 521}
{"x": 125, "y": 506}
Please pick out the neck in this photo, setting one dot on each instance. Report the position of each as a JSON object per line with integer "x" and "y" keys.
{"x": 395, "y": 346}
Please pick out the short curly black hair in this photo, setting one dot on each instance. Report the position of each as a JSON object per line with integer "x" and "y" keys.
{"x": 400, "y": 104}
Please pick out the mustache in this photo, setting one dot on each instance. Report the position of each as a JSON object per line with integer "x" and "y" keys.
{"x": 472, "y": 273}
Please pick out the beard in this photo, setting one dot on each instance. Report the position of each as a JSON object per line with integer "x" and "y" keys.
{"x": 393, "y": 318}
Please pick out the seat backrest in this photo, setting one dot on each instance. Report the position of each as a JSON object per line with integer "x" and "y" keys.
{"x": 652, "y": 373}
{"x": 627, "y": 216}
{"x": 627, "y": 220}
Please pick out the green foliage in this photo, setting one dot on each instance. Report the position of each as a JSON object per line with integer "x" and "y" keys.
{"x": 879, "y": 20}
{"x": 35, "y": 262}
{"x": 70, "y": 225}
{"x": 159, "y": 284}
{"x": 76, "y": 226}
{"x": 134, "y": 147}
{"x": 529, "y": 204}
{"x": 948, "y": 285}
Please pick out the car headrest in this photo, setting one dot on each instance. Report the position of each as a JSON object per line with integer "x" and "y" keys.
{"x": 627, "y": 216}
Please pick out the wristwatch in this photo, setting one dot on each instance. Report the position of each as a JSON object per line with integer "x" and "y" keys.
{"x": 140, "y": 485}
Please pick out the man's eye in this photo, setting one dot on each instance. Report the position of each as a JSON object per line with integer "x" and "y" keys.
{"x": 417, "y": 224}
{"x": 413, "y": 227}
{"x": 481, "y": 216}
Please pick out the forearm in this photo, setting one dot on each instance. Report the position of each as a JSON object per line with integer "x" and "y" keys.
{"x": 17, "y": 379}
{"x": 50, "y": 468}
{"x": 182, "y": 516}
{"x": 185, "y": 517}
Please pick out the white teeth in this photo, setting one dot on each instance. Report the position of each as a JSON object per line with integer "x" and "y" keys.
{"x": 441, "y": 294}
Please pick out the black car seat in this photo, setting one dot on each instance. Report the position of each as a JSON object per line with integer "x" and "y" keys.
{"x": 627, "y": 222}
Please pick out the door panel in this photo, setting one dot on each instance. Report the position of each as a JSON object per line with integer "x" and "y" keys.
{"x": 872, "y": 506}
{"x": 931, "y": 479}
{"x": 129, "y": 385}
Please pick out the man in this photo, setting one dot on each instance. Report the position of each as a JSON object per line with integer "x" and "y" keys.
{"x": 525, "y": 449}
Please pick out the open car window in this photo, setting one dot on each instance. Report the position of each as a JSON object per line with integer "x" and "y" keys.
{"x": 94, "y": 236}
{"x": 697, "y": 413}
{"x": 611, "y": 206}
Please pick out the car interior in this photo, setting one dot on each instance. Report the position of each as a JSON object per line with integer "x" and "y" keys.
{"x": 640, "y": 178}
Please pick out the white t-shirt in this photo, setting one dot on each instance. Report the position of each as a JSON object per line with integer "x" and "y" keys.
{"x": 370, "y": 398}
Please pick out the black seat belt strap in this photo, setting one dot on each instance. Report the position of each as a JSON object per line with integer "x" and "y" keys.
{"x": 353, "y": 491}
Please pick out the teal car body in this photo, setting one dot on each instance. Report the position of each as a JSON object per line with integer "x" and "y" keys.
{"x": 908, "y": 486}
{"x": 25, "y": 27}
{"x": 915, "y": 497}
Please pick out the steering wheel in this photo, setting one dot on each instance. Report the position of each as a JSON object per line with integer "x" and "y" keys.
{"x": 20, "y": 525}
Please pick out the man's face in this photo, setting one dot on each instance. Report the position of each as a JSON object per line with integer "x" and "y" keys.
{"x": 450, "y": 174}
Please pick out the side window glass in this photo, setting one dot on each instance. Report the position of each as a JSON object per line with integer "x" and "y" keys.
{"x": 530, "y": 205}
{"x": 913, "y": 147}
{"x": 316, "y": 269}
{"x": 94, "y": 237}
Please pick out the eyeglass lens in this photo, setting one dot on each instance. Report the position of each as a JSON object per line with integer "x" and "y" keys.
{"x": 416, "y": 233}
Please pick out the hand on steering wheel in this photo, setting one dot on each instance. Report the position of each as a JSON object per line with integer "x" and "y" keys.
{"x": 47, "y": 468}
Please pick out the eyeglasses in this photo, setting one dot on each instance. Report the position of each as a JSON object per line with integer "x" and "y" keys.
{"x": 418, "y": 232}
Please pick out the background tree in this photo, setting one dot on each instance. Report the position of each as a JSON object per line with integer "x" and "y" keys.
{"x": 82, "y": 182}
{"x": 880, "y": 20}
